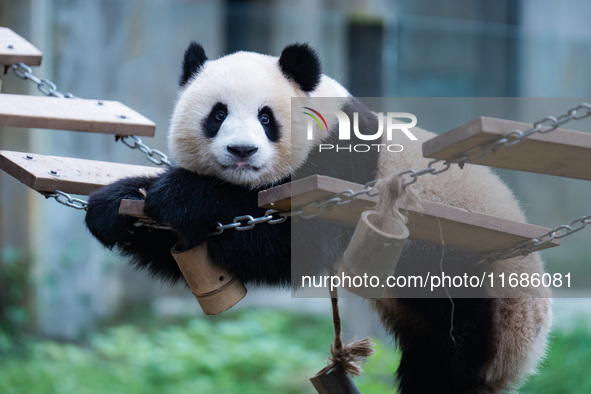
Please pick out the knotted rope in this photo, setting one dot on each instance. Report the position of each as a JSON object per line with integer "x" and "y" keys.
{"x": 391, "y": 192}
{"x": 351, "y": 355}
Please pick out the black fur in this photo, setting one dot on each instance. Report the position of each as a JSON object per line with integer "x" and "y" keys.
{"x": 192, "y": 204}
{"x": 213, "y": 122}
{"x": 271, "y": 128}
{"x": 300, "y": 63}
{"x": 193, "y": 61}
{"x": 351, "y": 166}
{"x": 433, "y": 362}
{"x": 147, "y": 248}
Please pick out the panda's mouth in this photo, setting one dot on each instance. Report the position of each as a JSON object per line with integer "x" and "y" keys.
{"x": 241, "y": 166}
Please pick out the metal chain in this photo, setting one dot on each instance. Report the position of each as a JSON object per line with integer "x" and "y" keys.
{"x": 247, "y": 222}
{"x": 154, "y": 155}
{"x": 45, "y": 86}
{"x": 308, "y": 211}
{"x": 314, "y": 209}
{"x": 510, "y": 138}
{"x": 67, "y": 200}
{"x": 532, "y": 245}
{"x": 514, "y": 137}
{"x": 49, "y": 88}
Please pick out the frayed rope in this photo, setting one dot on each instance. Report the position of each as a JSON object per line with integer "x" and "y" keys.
{"x": 353, "y": 354}
{"x": 391, "y": 193}
{"x": 350, "y": 356}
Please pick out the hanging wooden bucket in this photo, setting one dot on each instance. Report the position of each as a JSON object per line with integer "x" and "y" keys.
{"x": 216, "y": 290}
{"x": 374, "y": 251}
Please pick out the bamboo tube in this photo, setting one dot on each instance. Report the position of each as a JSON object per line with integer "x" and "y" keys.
{"x": 216, "y": 289}
{"x": 373, "y": 251}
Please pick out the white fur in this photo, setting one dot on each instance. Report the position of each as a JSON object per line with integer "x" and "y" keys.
{"x": 245, "y": 82}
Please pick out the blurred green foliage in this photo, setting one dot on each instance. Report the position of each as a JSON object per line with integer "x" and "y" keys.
{"x": 250, "y": 352}
{"x": 566, "y": 368}
{"x": 14, "y": 286}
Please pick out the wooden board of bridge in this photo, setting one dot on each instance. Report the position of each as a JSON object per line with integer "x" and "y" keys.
{"x": 74, "y": 176}
{"x": 460, "y": 229}
{"x": 98, "y": 116}
{"x": 15, "y": 49}
{"x": 560, "y": 152}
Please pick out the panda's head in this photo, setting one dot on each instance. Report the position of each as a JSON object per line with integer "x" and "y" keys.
{"x": 232, "y": 118}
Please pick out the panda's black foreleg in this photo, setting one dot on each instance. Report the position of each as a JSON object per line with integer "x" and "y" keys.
{"x": 192, "y": 204}
{"x": 147, "y": 248}
{"x": 446, "y": 343}
{"x": 436, "y": 359}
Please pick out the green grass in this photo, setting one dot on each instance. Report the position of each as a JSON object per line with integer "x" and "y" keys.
{"x": 251, "y": 352}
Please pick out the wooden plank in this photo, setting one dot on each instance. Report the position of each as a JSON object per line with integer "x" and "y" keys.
{"x": 75, "y": 176}
{"x": 560, "y": 152}
{"x": 15, "y": 49}
{"x": 462, "y": 230}
{"x": 97, "y": 116}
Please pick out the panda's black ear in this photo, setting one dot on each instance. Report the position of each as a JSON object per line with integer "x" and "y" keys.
{"x": 300, "y": 63}
{"x": 192, "y": 62}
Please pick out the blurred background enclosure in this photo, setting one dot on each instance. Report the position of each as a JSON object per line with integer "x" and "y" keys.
{"x": 57, "y": 281}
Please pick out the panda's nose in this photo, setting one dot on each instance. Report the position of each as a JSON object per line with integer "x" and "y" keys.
{"x": 242, "y": 151}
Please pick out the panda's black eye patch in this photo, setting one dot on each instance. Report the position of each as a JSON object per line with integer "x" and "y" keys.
{"x": 269, "y": 124}
{"x": 214, "y": 120}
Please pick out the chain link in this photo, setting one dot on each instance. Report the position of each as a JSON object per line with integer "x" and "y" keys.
{"x": 514, "y": 137}
{"x": 510, "y": 138}
{"x": 67, "y": 200}
{"x": 308, "y": 211}
{"x": 247, "y": 222}
{"x": 45, "y": 86}
{"x": 154, "y": 155}
{"x": 49, "y": 88}
{"x": 532, "y": 245}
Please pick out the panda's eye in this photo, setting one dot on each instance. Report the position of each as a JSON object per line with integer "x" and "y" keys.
{"x": 270, "y": 125}
{"x": 220, "y": 115}
{"x": 264, "y": 119}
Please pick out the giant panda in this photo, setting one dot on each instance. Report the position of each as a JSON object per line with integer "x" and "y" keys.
{"x": 231, "y": 136}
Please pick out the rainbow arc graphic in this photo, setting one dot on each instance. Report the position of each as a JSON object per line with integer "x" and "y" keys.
{"x": 316, "y": 119}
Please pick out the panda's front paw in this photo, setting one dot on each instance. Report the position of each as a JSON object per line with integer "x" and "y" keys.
{"x": 102, "y": 217}
{"x": 180, "y": 199}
